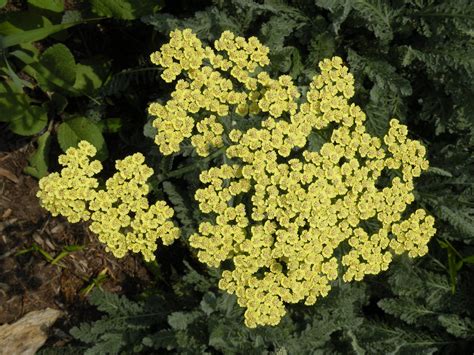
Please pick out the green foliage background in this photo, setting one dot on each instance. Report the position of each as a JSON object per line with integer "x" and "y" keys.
{"x": 89, "y": 77}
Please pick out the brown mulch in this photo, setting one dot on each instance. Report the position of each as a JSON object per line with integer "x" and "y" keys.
{"x": 29, "y": 282}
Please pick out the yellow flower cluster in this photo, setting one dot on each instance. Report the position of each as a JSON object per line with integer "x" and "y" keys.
{"x": 210, "y": 135}
{"x": 209, "y": 88}
{"x": 121, "y": 215}
{"x": 292, "y": 220}
{"x": 68, "y": 192}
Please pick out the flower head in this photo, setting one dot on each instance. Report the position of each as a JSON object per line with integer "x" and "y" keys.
{"x": 281, "y": 213}
{"x": 121, "y": 215}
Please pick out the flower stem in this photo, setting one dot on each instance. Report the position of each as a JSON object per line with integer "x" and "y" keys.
{"x": 191, "y": 167}
{"x": 155, "y": 269}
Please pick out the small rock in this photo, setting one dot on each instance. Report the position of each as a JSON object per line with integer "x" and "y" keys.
{"x": 28, "y": 334}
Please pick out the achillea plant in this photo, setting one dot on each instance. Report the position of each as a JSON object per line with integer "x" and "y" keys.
{"x": 287, "y": 220}
{"x": 290, "y": 220}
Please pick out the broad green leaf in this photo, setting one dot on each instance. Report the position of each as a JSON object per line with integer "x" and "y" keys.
{"x": 51, "y": 5}
{"x": 32, "y": 121}
{"x": 33, "y": 35}
{"x": 89, "y": 77}
{"x": 19, "y": 83}
{"x": 38, "y": 161}
{"x": 56, "y": 68}
{"x": 27, "y": 53}
{"x": 19, "y": 22}
{"x": 11, "y": 98}
{"x": 124, "y": 9}
{"x": 59, "y": 102}
{"x": 72, "y": 131}
{"x": 15, "y": 109}
{"x": 3, "y": 3}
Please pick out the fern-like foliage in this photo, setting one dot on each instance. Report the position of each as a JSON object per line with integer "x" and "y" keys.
{"x": 120, "y": 82}
{"x": 383, "y": 338}
{"x": 122, "y": 328}
{"x": 379, "y": 16}
{"x": 386, "y": 96}
{"x": 181, "y": 208}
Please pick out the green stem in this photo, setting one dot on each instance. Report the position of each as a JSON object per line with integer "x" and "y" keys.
{"x": 192, "y": 167}
{"x": 155, "y": 270}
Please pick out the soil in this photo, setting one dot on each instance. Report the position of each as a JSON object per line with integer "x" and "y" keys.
{"x": 30, "y": 282}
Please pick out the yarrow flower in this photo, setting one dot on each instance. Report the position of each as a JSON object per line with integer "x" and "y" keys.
{"x": 121, "y": 215}
{"x": 210, "y": 87}
{"x": 290, "y": 220}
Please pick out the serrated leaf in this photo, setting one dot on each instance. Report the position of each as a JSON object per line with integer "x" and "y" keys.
{"x": 72, "y": 131}
{"x": 457, "y": 326}
{"x": 406, "y": 309}
{"x": 207, "y": 24}
{"x": 181, "y": 320}
{"x": 217, "y": 337}
{"x": 72, "y": 16}
{"x": 113, "y": 304}
{"x": 315, "y": 141}
{"x": 164, "y": 338}
{"x": 56, "y": 68}
{"x": 378, "y": 15}
{"x": 181, "y": 207}
{"x": 286, "y": 60}
{"x": 38, "y": 161}
{"x": 340, "y": 9}
{"x": 462, "y": 220}
{"x": 382, "y": 338}
{"x": 208, "y": 303}
{"x": 439, "y": 171}
{"x": 51, "y": 5}
{"x": 275, "y": 30}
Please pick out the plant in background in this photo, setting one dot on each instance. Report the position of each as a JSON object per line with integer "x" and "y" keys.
{"x": 40, "y": 89}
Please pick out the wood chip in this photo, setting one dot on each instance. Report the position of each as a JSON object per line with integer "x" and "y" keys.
{"x": 28, "y": 334}
{"x": 7, "y": 213}
{"x": 9, "y": 175}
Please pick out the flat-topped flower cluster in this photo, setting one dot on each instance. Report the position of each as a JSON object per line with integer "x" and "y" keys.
{"x": 121, "y": 215}
{"x": 286, "y": 219}
{"x": 290, "y": 220}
